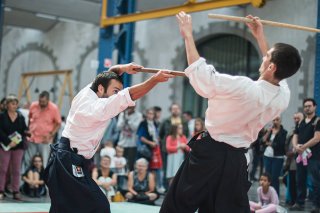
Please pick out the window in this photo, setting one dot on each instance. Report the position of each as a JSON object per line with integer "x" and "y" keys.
{"x": 230, "y": 54}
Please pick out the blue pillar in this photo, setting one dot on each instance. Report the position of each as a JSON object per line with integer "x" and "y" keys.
{"x": 317, "y": 67}
{"x": 1, "y": 24}
{"x": 123, "y": 41}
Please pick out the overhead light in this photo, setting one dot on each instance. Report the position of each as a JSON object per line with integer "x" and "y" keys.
{"x": 68, "y": 20}
{"x": 7, "y": 9}
{"x": 41, "y": 15}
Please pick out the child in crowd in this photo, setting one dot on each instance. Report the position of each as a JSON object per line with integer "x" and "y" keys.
{"x": 176, "y": 144}
{"x": 198, "y": 126}
{"x": 120, "y": 162}
{"x": 33, "y": 185}
{"x": 267, "y": 196}
{"x": 109, "y": 151}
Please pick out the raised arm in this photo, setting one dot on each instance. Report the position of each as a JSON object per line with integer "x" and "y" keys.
{"x": 257, "y": 31}
{"x": 185, "y": 26}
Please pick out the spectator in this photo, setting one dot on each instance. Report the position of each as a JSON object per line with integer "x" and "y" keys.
{"x": 148, "y": 138}
{"x": 2, "y": 104}
{"x": 63, "y": 124}
{"x": 257, "y": 152}
{"x": 176, "y": 147}
{"x": 111, "y": 133}
{"x": 120, "y": 169}
{"x": 128, "y": 123}
{"x": 290, "y": 164}
{"x": 105, "y": 178}
{"x": 307, "y": 135}
{"x": 165, "y": 128}
{"x": 13, "y": 132}
{"x": 108, "y": 150}
{"x": 267, "y": 196}
{"x": 188, "y": 117}
{"x": 44, "y": 123}
{"x": 275, "y": 139}
{"x": 141, "y": 184}
{"x": 157, "y": 111}
{"x": 198, "y": 126}
{"x": 33, "y": 185}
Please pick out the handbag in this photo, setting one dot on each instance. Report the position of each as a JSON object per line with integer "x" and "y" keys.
{"x": 145, "y": 152}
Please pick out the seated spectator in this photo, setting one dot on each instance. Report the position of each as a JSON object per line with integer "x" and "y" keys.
{"x": 33, "y": 185}
{"x": 108, "y": 150}
{"x": 141, "y": 184}
{"x": 105, "y": 178}
{"x": 267, "y": 196}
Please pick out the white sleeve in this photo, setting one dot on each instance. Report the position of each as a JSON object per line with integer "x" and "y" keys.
{"x": 208, "y": 83}
{"x": 106, "y": 108}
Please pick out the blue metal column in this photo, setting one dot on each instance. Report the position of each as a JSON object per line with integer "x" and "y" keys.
{"x": 106, "y": 39}
{"x": 1, "y": 24}
{"x": 123, "y": 41}
{"x": 317, "y": 67}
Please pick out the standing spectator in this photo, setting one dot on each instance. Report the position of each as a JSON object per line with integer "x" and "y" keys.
{"x": 44, "y": 123}
{"x": 307, "y": 135}
{"x": 198, "y": 126}
{"x": 2, "y": 104}
{"x": 275, "y": 139}
{"x": 149, "y": 138}
{"x": 33, "y": 178}
{"x": 105, "y": 177}
{"x": 157, "y": 118}
{"x": 291, "y": 165}
{"x": 188, "y": 117}
{"x": 12, "y": 136}
{"x": 176, "y": 145}
{"x": 25, "y": 112}
{"x": 120, "y": 169}
{"x": 141, "y": 184}
{"x": 257, "y": 152}
{"x": 128, "y": 123}
{"x": 111, "y": 133}
{"x": 165, "y": 128}
{"x": 63, "y": 124}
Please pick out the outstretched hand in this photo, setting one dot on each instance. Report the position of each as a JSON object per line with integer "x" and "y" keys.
{"x": 256, "y": 27}
{"x": 162, "y": 76}
{"x": 130, "y": 68}
{"x": 185, "y": 24}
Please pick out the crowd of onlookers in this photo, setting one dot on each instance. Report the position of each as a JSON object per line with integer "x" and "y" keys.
{"x": 140, "y": 153}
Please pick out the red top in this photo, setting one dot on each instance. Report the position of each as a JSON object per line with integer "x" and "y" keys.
{"x": 172, "y": 144}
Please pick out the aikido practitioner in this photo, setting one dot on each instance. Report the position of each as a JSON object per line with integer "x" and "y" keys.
{"x": 213, "y": 178}
{"x": 67, "y": 176}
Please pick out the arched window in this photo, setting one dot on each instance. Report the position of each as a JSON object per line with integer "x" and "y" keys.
{"x": 229, "y": 54}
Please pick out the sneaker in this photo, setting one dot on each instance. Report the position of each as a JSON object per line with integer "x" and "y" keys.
{"x": 16, "y": 196}
{"x": 161, "y": 190}
{"x": 297, "y": 207}
{"x": 315, "y": 210}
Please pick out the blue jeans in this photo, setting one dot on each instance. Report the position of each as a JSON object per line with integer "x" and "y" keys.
{"x": 274, "y": 166}
{"x": 314, "y": 170}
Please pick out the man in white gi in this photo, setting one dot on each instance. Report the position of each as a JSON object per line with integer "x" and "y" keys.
{"x": 213, "y": 178}
{"x": 67, "y": 175}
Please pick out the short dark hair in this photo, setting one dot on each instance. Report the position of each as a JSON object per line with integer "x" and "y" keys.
{"x": 287, "y": 59}
{"x": 44, "y": 94}
{"x": 267, "y": 175}
{"x": 310, "y": 99}
{"x": 104, "y": 79}
{"x": 157, "y": 109}
{"x": 188, "y": 113}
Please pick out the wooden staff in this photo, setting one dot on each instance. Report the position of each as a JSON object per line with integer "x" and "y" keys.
{"x": 265, "y": 22}
{"x": 151, "y": 70}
